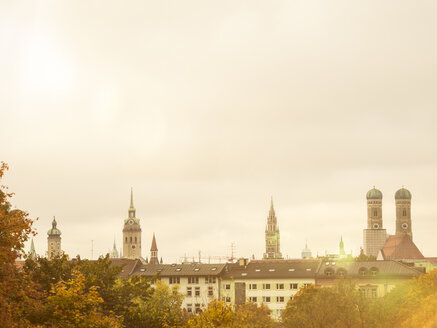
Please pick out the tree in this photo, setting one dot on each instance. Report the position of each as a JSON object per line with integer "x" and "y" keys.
{"x": 218, "y": 314}
{"x": 254, "y": 316}
{"x": 17, "y": 293}
{"x": 70, "y": 305}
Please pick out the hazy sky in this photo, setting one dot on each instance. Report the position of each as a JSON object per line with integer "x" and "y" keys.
{"x": 210, "y": 108}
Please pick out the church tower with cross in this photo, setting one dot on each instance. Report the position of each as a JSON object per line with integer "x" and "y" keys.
{"x": 273, "y": 241}
{"x": 54, "y": 241}
{"x": 132, "y": 233}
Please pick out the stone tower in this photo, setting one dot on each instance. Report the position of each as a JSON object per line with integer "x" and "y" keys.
{"x": 131, "y": 233}
{"x": 403, "y": 212}
{"x": 273, "y": 241}
{"x": 374, "y": 236}
{"x": 154, "y": 252}
{"x": 374, "y": 209}
{"x": 54, "y": 241}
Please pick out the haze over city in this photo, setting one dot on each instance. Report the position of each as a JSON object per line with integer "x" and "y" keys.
{"x": 209, "y": 110}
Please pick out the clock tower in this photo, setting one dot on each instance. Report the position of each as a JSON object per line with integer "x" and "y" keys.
{"x": 132, "y": 233}
{"x": 272, "y": 236}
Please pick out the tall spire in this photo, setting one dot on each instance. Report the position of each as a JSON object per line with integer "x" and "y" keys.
{"x": 32, "y": 253}
{"x": 131, "y": 208}
{"x": 342, "y": 252}
{"x": 154, "y": 252}
{"x": 132, "y": 198}
{"x": 272, "y": 210}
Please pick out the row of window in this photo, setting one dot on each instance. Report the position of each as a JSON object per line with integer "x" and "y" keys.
{"x": 197, "y": 291}
{"x": 278, "y": 286}
{"x": 130, "y": 239}
{"x": 264, "y": 299}
{"x": 197, "y": 308}
{"x": 208, "y": 280}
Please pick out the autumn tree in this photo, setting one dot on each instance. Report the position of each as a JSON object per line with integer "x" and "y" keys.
{"x": 17, "y": 293}
{"x": 72, "y": 305}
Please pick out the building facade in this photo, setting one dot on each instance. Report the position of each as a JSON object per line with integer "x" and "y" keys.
{"x": 132, "y": 233}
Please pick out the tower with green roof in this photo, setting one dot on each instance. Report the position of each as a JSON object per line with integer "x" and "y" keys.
{"x": 403, "y": 212}
{"x": 54, "y": 241}
{"x": 132, "y": 233}
{"x": 375, "y": 235}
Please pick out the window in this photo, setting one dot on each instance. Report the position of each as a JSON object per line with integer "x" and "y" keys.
{"x": 189, "y": 308}
{"x": 373, "y": 271}
{"x": 189, "y": 292}
{"x": 210, "y": 280}
{"x": 404, "y": 212}
{"x": 293, "y": 286}
{"x": 252, "y": 286}
{"x": 193, "y": 280}
{"x": 280, "y": 299}
{"x": 197, "y": 291}
{"x": 210, "y": 291}
{"x": 135, "y": 239}
{"x": 341, "y": 272}
{"x": 227, "y": 299}
{"x": 374, "y": 293}
{"x": 291, "y": 297}
{"x": 253, "y": 299}
{"x": 197, "y": 308}
{"x": 375, "y": 212}
{"x": 227, "y": 286}
{"x": 329, "y": 272}
{"x": 266, "y": 299}
{"x": 362, "y": 271}
{"x": 306, "y": 285}
{"x": 279, "y": 286}
{"x": 266, "y": 286}
{"x": 174, "y": 280}
{"x": 130, "y": 239}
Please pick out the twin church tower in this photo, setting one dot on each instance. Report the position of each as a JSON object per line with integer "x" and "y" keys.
{"x": 375, "y": 236}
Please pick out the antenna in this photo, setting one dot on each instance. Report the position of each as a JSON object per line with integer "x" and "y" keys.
{"x": 233, "y": 251}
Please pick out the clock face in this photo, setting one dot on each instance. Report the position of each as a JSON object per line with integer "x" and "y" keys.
{"x": 404, "y": 225}
{"x": 131, "y": 222}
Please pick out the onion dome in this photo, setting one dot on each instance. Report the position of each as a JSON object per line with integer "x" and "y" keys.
{"x": 403, "y": 194}
{"x": 374, "y": 194}
{"x": 54, "y": 230}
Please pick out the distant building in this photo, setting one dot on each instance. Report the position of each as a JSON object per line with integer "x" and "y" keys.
{"x": 114, "y": 253}
{"x": 54, "y": 241}
{"x": 273, "y": 240}
{"x": 375, "y": 235}
{"x": 306, "y": 252}
{"x": 132, "y": 233}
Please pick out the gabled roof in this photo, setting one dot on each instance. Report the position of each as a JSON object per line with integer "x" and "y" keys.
{"x": 400, "y": 247}
{"x": 384, "y": 269}
{"x": 190, "y": 269}
{"x": 274, "y": 269}
{"x": 128, "y": 266}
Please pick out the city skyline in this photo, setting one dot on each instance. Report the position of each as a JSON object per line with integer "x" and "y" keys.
{"x": 207, "y": 110}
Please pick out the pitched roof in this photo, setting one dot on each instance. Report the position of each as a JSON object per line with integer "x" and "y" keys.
{"x": 128, "y": 265}
{"x": 400, "y": 247}
{"x": 275, "y": 269}
{"x": 190, "y": 269}
{"x": 365, "y": 268}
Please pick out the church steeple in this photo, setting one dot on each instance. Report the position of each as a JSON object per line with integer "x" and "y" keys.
{"x": 32, "y": 253}
{"x": 131, "y": 208}
{"x": 272, "y": 235}
{"x": 154, "y": 251}
{"x": 342, "y": 252}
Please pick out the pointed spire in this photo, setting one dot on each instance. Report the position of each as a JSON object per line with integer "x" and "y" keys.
{"x": 154, "y": 248}
{"x": 132, "y": 198}
{"x": 161, "y": 260}
{"x": 54, "y": 223}
{"x": 32, "y": 253}
{"x": 341, "y": 246}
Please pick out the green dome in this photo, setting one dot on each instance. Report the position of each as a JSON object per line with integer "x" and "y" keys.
{"x": 54, "y": 232}
{"x": 403, "y": 194}
{"x": 374, "y": 194}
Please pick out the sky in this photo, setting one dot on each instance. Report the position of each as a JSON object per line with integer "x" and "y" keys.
{"x": 208, "y": 109}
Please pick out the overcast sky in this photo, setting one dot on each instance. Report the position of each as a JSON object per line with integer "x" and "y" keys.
{"x": 209, "y": 108}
